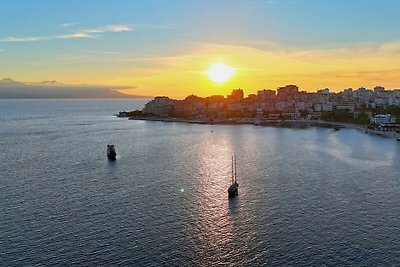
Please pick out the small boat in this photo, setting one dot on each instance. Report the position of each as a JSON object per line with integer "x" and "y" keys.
{"x": 111, "y": 154}
{"x": 233, "y": 188}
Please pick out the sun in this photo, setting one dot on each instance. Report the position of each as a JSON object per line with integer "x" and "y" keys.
{"x": 220, "y": 73}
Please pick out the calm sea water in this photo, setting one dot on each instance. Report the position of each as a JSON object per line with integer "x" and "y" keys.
{"x": 307, "y": 197}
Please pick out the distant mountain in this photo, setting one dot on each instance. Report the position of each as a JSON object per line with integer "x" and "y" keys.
{"x": 11, "y": 89}
{"x": 9, "y": 81}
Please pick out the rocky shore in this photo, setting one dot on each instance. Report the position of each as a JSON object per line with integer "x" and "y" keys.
{"x": 257, "y": 122}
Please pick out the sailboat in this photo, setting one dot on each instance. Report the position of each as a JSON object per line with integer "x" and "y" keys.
{"x": 233, "y": 188}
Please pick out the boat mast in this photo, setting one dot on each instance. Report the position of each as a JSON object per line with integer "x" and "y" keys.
{"x": 235, "y": 167}
{"x": 232, "y": 170}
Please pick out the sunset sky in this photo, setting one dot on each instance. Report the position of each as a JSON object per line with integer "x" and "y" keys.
{"x": 166, "y": 47}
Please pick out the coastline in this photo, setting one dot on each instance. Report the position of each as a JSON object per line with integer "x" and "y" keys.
{"x": 274, "y": 123}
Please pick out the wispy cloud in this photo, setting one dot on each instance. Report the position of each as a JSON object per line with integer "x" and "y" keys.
{"x": 94, "y": 30}
{"x": 79, "y": 34}
{"x": 12, "y": 39}
{"x": 118, "y": 28}
{"x": 84, "y": 33}
{"x": 70, "y": 24}
{"x": 2, "y": 50}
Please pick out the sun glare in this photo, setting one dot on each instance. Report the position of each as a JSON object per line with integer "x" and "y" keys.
{"x": 220, "y": 73}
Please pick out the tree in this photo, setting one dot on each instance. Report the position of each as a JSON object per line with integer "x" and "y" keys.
{"x": 339, "y": 115}
{"x": 362, "y": 118}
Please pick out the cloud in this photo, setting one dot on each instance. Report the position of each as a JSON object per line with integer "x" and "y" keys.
{"x": 12, "y": 39}
{"x": 2, "y": 50}
{"x": 10, "y": 89}
{"x": 95, "y": 32}
{"x": 70, "y": 24}
{"x": 80, "y": 34}
{"x": 118, "y": 28}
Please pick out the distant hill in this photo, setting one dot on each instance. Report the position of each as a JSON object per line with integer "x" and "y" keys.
{"x": 11, "y": 89}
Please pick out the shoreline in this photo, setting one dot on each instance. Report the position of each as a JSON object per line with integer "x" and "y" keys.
{"x": 253, "y": 121}
{"x": 276, "y": 123}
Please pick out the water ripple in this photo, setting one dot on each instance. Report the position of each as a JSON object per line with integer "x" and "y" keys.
{"x": 307, "y": 197}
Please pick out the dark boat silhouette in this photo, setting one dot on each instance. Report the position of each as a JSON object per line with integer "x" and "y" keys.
{"x": 233, "y": 188}
{"x": 111, "y": 153}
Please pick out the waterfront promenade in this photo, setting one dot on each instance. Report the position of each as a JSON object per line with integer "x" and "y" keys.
{"x": 274, "y": 123}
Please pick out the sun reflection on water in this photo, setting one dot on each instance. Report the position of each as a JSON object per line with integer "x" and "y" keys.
{"x": 213, "y": 212}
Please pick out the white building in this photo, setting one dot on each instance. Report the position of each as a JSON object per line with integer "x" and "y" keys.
{"x": 323, "y": 96}
{"x": 383, "y": 118}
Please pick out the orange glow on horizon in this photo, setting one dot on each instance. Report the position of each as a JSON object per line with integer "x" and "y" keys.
{"x": 186, "y": 74}
{"x": 259, "y": 69}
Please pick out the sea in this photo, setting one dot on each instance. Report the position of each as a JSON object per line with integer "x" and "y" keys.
{"x": 307, "y": 196}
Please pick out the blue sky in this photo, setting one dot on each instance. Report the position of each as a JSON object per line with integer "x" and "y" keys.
{"x": 292, "y": 22}
{"x": 46, "y": 40}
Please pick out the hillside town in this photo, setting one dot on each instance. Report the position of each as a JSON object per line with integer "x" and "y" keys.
{"x": 378, "y": 107}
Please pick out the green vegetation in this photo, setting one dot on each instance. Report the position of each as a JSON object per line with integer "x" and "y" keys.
{"x": 343, "y": 115}
{"x": 339, "y": 115}
{"x": 362, "y": 119}
{"x": 134, "y": 113}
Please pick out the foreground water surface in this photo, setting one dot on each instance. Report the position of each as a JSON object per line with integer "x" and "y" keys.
{"x": 307, "y": 197}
